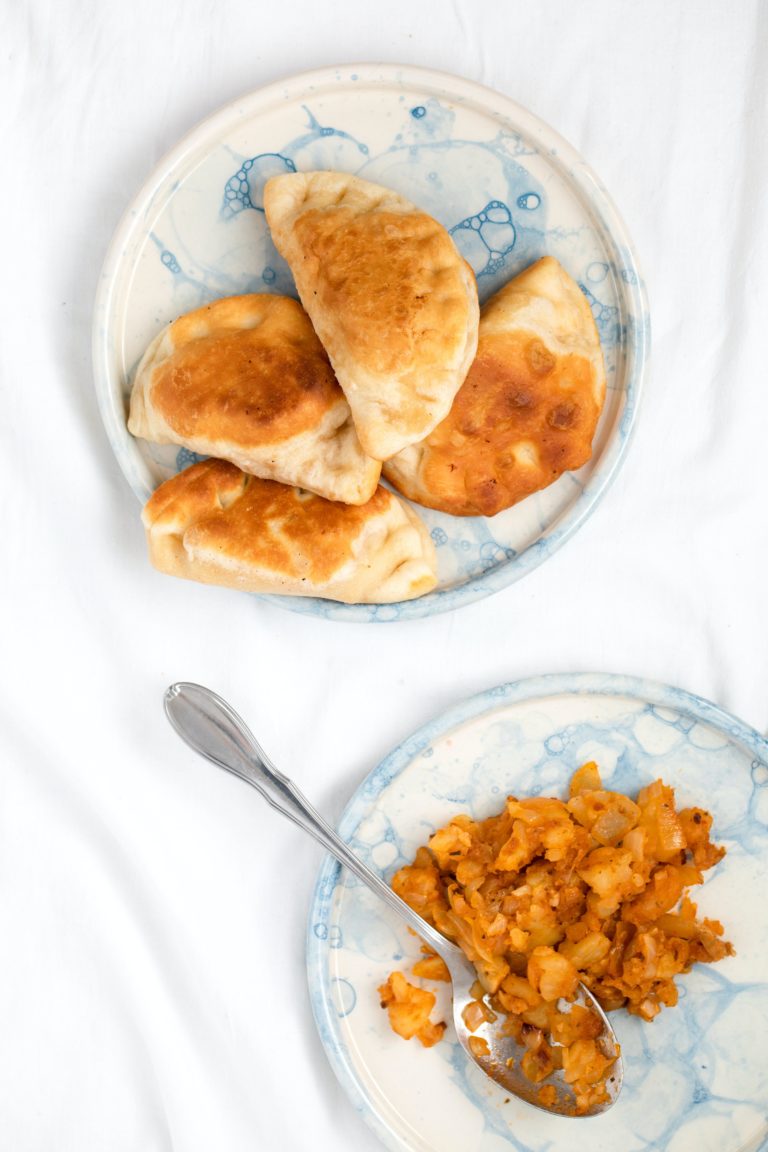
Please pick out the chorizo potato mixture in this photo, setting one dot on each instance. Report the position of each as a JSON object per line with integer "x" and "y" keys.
{"x": 549, "y": 893}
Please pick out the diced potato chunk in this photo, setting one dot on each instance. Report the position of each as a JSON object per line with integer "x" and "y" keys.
{"x": 432, "y": 967}
{"x": 659, "y": 819}
{"x": 408, "y": 1008}
{"x": 451, "y": 843}
{"x": 611, "y": 874}
{"x": 551, "y": 974}
{"x": 583, "y": 1060}
{"x": 696, "y": 825}
{"x": 585, "y": 779}
{"x": 577, "y": 1024}
{"x": 608, "y": 816}
{"x": 588, "y": 951}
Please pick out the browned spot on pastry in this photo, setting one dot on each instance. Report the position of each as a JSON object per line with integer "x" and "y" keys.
{"x": 380, "y": 275}
{"x": 564, "y": 415}
{"x": 271, "y": 380}
{"x": 540, "y": 359}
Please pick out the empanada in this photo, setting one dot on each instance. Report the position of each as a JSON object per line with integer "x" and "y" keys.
{"x": 219, "y": 525}
{"x": 246, "y": 379}
{"x": 529, "y": 407}
{"x": 391, "y": 298}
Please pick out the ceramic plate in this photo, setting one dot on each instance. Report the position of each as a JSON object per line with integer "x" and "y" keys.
{"x": 507, "y": 187}
{"x": 696, "y": 1079}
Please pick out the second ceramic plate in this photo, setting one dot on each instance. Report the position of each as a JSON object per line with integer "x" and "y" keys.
{"x": 507, "y": 187}
{"x": 696, "y": 1079}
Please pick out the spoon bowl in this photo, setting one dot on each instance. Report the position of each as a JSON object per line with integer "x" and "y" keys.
{"x": 214, "y": 730}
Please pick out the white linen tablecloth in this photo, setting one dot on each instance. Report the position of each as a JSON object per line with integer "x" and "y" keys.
{"x": 152, "y": 911}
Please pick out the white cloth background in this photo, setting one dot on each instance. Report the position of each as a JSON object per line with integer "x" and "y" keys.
{"x": 152, "y": 910}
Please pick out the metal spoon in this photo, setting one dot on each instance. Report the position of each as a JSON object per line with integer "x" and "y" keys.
{"x": 214, "y": 730}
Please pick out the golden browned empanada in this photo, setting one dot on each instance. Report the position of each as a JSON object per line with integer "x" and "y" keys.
{"x": 218, "y": 525}
{"x": 391, "y": 298}
{"x": 246, "y": 379}
{"x": 529, "y": 407}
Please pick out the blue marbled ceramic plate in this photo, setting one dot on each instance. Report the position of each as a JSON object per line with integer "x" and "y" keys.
{"x": 509, "y": 189}
{"x": 696, "y": 1079}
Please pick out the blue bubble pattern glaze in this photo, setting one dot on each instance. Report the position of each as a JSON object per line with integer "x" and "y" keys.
{"x": 170, "y": 261}
{"x": 246, "y": 188}
{"x": 696, "y": 1079}
{"x": 492, "y": 227}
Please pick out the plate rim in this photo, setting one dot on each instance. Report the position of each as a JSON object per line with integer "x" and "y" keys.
{"x": 362, "y": 800}
{"x": 575, "y": 172}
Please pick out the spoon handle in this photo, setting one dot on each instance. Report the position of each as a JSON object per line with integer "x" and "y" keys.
{"x": 214, "y": 730}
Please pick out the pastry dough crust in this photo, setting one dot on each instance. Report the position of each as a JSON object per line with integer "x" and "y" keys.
{"x": 247, "y": 380}
{"x": 219, "y": 525}
{"x": 390, "y": 297}
{"x": 528, "y": 409}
